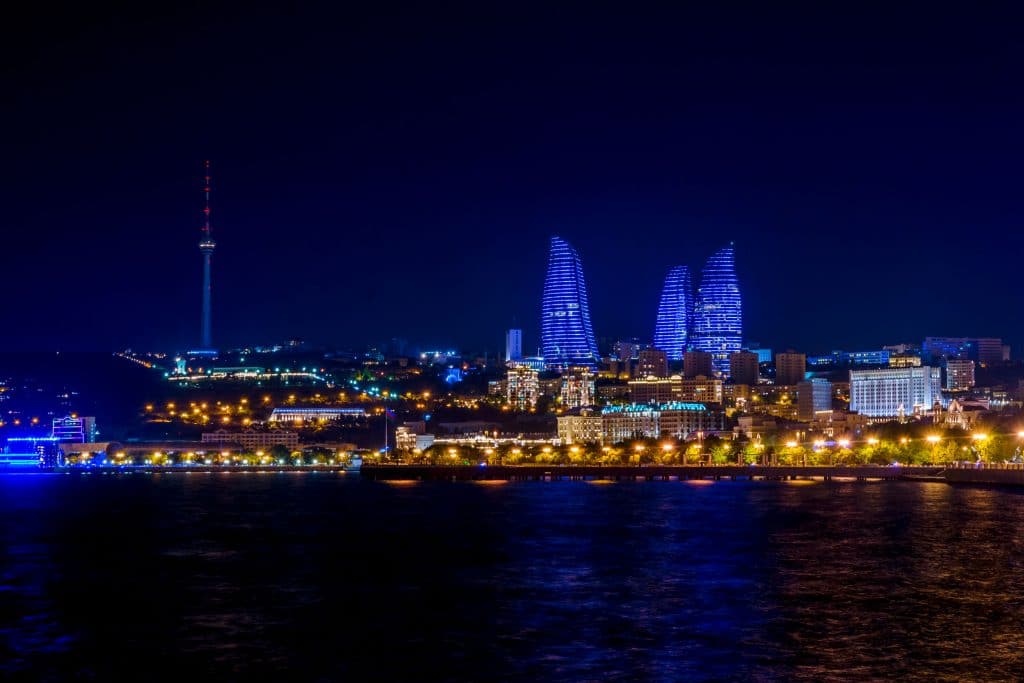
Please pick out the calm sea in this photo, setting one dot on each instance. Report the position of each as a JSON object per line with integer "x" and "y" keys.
{"x": 319, "y": 577}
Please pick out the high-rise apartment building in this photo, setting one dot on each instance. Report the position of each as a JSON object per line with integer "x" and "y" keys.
{"x": 578, "y": 387}
{"x": 567, "y": 336}
{"x": 790, "y": 368}
{"x": 513, "y": 344}
{"x": 672, "y": 327}
{"x": 698, "y": 364}
{"x": 959, "y": 374}
{"x": 894, "y": 392}
{"x": 652, "y": 363}
{"x": 814, "y": 397}
{"x": 522, "y": 386}
{"x": 717, "y": 311}
{"x": 744, "y": 367}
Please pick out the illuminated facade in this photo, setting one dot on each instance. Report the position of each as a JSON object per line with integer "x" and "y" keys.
{"x": 522, "y": 386}
{"x": 672, "y": 327}
{"x": 814, "y": 398}
{"x": 581, "y": 427}
{"x": 673, "y": 419}
{"x": 74, "y": 429}
{"x": 578, "y": 388}
{"x": 717, "y": 311}
{"x": 959, "y": 374}
{"x": 567, "y": 336}
{"x": 894, "y": 392}
{"x": 513, "y": 344}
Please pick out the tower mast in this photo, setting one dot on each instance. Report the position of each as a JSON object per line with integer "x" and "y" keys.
{"x": 206, "y": 247}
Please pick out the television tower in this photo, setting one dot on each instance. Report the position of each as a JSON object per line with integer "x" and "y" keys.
{"x": 206, "y": 247}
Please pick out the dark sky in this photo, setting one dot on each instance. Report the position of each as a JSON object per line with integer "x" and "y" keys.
{"x": 398, "y": 172}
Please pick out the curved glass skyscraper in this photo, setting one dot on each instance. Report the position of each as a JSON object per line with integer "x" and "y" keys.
{"x": 567, "y": 337}
{"x": 717, "y": 311}
{"x": 672, "y": 328}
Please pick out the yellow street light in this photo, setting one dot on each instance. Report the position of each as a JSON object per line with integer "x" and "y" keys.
{"x": 872, "y": 441}
{"x": 979, "y": 436}
{"x": 791, "y": 444}
{"x": 844, "y": 443}
{"x": 933, "y": 438}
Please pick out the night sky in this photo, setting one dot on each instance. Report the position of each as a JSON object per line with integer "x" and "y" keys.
{"x": 399, "y": 173}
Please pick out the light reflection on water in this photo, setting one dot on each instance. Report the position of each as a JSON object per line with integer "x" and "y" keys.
{"x": 324, "y": 577}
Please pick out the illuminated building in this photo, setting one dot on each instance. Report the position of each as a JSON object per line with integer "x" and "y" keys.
{"x": 904, "y": 360}
{"x": 567, "y": 336}
{"x": 717, "y": 311}
{"x": 744, "y": 367}
{"x": 30, "y": 451}
{"x": 763, "y": 355}
{"x": 959, "y": 374}
{"x": 790, "y": 368}
{"x": 652, "y": 363}
{"x": 206, "y": 247}
{"x": 654, "y": 389}
{"x": 513, "y": 344}
{"x": 894, "y": 392}
{"x": 878, "y": 358}
{"x": 522, "y": 386}
{"x": 583, "y": 426}
{"x": 698, "y": 364}
{"x": 672, "y": 327}
{"x": 813, "y": 397}
{"x": 301, "y": 416}
{"x": 250, "y": 438}
{"x": 982, "y": 350}
{"x": 74, "y": 429}
{"x": 578, "y": 387}
{"x": 673, "y": 419}
{"x": 408, "y": 440}
{"x": 676, "y": 388}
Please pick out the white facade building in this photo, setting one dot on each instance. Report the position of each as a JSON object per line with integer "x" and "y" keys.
{"x": 895, "y": 392}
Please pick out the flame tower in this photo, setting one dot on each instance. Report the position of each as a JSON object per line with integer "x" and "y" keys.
{"x": 567, "y": 337}
{"x": 672, "y": 328}
{"x": 206, "y": 247}
{"x": 718, "y": 312}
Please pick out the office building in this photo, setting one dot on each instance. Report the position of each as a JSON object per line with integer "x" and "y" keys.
{"x": 567, "y": 336}
{"x": 652, "y": 363}
{"x": 698, "y": 364}
{"x": 717, "y": 317}
{"x": 578, "y": 387}
{"x": 513, "y": 344}
{"x": 744, "y": 368}
{"x": 790, "y": 368}
{"x": 672, "y": 327}
{"x": 959, "y": 374}
{"x": 522, "y": 386}
{"x": 894, "y": 392}
{"x": 814, "y": 397}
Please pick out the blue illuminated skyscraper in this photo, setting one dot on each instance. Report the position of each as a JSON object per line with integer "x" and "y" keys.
{"x": 567, "y": 337}
{"x": 717, "y": 311}
{"x": 672, "y": 328}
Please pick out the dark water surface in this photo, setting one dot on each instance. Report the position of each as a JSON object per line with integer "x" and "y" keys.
{"x": 299, "y": 577}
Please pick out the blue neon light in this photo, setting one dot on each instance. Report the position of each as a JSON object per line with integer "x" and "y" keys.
{"x": 718, "y": 312}
{"x": 567, "y": 336}
{"x": 671, "y": 330}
